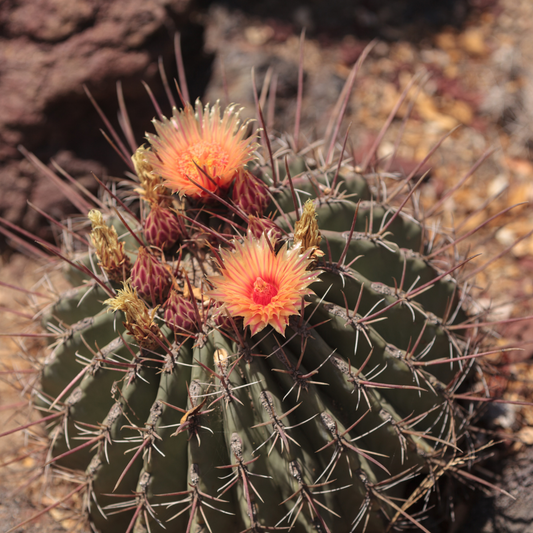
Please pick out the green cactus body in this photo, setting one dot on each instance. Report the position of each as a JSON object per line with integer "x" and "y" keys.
{"x": 319, "y": 424}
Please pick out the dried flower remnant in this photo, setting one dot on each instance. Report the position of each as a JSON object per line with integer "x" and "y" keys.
{"x": 198, "y": 147}
{"x": 152, "y": 189}
{"x": 109, "y": 250}
{"x": 306, "y": 232}
{"x": 139, "y": 320}
{"x": 262, "y": 287}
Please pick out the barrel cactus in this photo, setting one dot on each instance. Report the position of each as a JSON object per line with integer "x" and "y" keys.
{"x": 257, "y": 337}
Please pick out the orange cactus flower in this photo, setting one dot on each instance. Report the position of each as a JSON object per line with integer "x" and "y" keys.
{"x": 196, "y": 146}
{"x": 262, "y": 287}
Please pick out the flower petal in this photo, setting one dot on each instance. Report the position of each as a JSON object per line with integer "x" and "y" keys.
{"x": 198, "y": 149}
{"x": 282, "y": 280}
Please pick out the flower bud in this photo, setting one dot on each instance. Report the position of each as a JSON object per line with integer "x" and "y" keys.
{"x": 180, "y": 314}
{"x": 161, "y": 227}
{"x": 150, "y": 277}
{"x": 250, "y": 193}
{"x": 257, "y": 226}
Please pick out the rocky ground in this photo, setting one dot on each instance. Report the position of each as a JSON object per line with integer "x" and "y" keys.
{"x": 474, "y": 62}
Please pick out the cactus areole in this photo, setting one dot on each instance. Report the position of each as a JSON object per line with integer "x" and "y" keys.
{"x": 256, "y": 341}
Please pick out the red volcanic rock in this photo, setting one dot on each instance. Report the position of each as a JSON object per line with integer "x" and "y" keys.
{"x": 48, "y": 50}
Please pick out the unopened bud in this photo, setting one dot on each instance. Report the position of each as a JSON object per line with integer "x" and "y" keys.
{"x": 250, "y": 193}
{"x": 161, "y": 227}
{"x": 180, "y": 314}
{"x": 258, "y": 226}
{"x": 152, "y": 188}
{"x": 150, "y": 277}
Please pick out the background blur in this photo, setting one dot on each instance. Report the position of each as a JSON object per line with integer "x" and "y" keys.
{"x": 476, "y": 52}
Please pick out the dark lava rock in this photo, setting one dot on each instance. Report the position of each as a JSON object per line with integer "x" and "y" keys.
{"x": 499, "y": 513}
